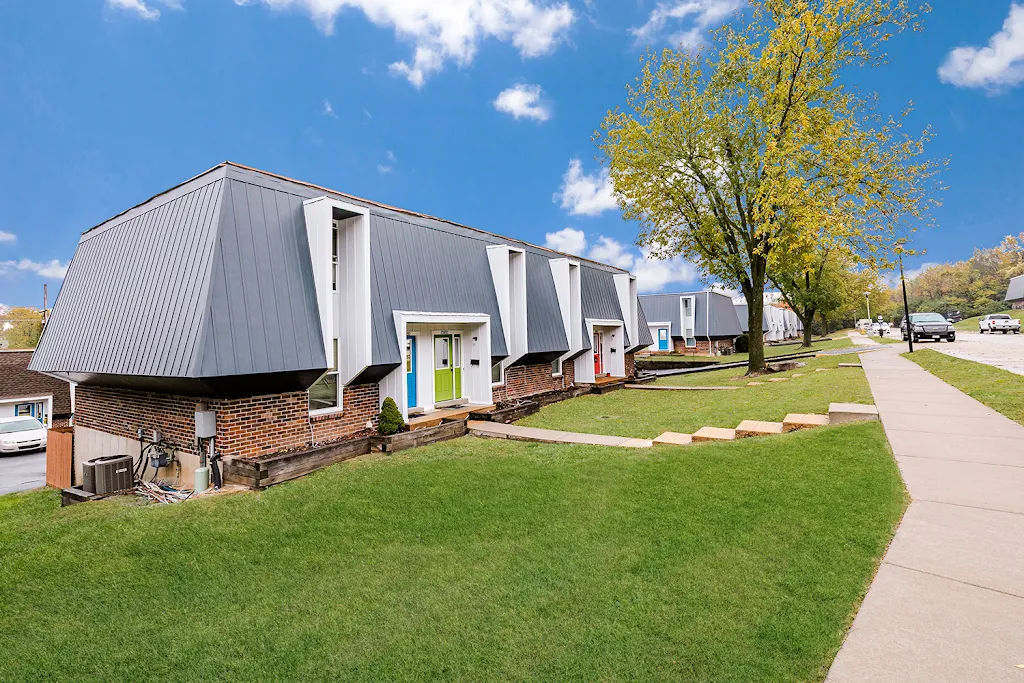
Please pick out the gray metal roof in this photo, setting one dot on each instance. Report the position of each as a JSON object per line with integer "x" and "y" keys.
{"x": 720, "y": 318}
{"x": 545, "y": 331}
{"x": 644, "y": 332}
{"x": 742, "y": 313}
{"x": 1015, "y": 290}
{"x": 212, "y": 279}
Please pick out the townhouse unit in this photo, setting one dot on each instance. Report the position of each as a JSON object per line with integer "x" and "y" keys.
{"x": 698, "y": 323}
{"x": 24, "y": 393}
{"x": 293, "y": 311}
{"x": 742, "y": 314}
{"x": 1015, "y": 293}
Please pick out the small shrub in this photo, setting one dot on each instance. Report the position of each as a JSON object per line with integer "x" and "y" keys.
{"x": 390, "y": 419}
{"x": 742, "y": 343}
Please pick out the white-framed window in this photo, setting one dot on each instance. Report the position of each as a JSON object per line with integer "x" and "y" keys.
{"x": 325, "y": 393}
{"x": 334, "y": 258}
{"x": 497, "y": 374}
{"x": 556, "y": 367}
{"x": 691, "y": 342}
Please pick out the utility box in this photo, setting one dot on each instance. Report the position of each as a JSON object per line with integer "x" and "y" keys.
{"x": 108, "y": 474}
{"x": 206, "y": 424}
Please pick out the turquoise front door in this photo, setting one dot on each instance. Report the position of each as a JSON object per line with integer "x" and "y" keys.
{"x": 410, "y": 371}
{"x": 663, "y": 339}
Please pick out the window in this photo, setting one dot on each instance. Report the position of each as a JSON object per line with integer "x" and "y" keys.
{"x": 457, "y": 351}
{"x": 323, "y": 395}
{"x": 408, "y": 354}
{"x": 691, "y": 342}
{"x": 663, "y": 334}
{"x": 556, "y": 367}
{"x": 334, "y": 258}
{"x": 497, "y": 376}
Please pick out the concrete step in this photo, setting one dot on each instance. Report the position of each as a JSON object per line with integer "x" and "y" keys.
{"x": 674, "y": 439}
{"x": 637, "y": 443}
{"x": 850, "y": 365}
{"x": 758, "y": 428}
{"x": 714, "y": 434}
{"x": 795, "y": 421}
{"x": 842, "y": 413}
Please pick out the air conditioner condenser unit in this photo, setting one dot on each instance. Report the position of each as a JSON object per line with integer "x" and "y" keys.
{"x": 108, "y": 474}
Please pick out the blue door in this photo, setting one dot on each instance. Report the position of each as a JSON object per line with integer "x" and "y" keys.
{"x": 663, "y": 339}
{"x": 410, "y": 371}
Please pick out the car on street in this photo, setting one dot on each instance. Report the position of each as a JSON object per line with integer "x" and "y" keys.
{"x": 998, "y": 322}
{"x": 21, "y": 435}
{"x": 928, "y": 326}
{"x": 954, "y": 316}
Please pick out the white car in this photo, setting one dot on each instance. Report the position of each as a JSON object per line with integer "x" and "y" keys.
{"x": 21, "y": 435}
{"x": 998, "y": 322}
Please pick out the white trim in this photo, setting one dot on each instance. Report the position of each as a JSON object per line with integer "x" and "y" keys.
{"x": 47, "y": 398}
{"x": 614, "y": 364}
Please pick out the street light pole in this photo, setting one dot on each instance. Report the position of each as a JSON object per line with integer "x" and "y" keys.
{"x": 867, "y": 299}
{"x": 906, "y": 309}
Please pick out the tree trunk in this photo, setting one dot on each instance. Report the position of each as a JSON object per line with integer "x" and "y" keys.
{"x": 755, "y": 314}
{"x": 807, "y": 319}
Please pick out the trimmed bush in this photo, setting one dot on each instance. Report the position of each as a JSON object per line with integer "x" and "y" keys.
{"x": 390, "y": 419}
{"x": 742, "y": 343}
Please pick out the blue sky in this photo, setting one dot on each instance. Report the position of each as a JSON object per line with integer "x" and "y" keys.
{"x": 480, "y": 111}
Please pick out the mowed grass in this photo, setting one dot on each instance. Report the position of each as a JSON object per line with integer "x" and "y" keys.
{"x": 999, "y": 389}
{"x": 469, "y": 560}
{"x": 971, "y": 324}
{"x": 646, "y": 413}
{"x": 770, "y": 351}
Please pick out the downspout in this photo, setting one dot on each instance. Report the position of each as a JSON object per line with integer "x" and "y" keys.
{"x": 707, "y": 319}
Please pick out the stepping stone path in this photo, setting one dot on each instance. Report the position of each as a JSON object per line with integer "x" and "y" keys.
{"x": 841, "y": 413}
{"x": 754, "y": 384}
{"x": 797, "y": 374}
{"x": 795, "y": 421}
{"x": 778, "y": 379}
{"x": 822, "y": 369}
{"x": 757, "y": 428}
{"x": 664, "y": 387}
{"x": 714, "y": 434}
{"x": 674, "y": 439}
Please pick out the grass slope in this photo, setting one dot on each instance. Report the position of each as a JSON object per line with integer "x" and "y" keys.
{"x": 999, "y": 389}
{"x": 770, "y": 351}
{"x": 468, "y": 560}
{"x": 971, "y": 324}
{"x": 646, "y": 414}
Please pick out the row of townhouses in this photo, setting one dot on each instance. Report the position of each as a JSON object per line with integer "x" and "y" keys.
{"x": 293, "y": 311}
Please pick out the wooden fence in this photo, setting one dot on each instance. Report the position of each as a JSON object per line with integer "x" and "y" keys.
{"x": 59, "y": 450}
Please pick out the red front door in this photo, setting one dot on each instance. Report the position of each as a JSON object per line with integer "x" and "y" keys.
{"x": 598, "y": 366}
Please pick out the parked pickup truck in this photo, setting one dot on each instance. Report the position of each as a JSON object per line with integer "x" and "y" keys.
{"x": 998, "y": 322}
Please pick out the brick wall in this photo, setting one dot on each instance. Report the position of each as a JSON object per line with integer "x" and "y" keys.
{"x": 703, "y": 348}
{"x": 17, "y": 381}
{"x": 245, "y": 427}
{"x": 526, "y": 380}
{"x": 630, "y": 363}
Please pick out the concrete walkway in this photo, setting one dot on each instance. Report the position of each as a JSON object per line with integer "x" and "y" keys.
{"x": 948, "y": 601}
{"x": 496, "y": 430}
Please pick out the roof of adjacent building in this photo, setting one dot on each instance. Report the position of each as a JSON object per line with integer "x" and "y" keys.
{"x": 1015, "y": 290}
{"x": 213, "y": 279}
{"x": 17, "y": 381}
{"x": 742, "y": 314}
{"x": 714, "y": 315}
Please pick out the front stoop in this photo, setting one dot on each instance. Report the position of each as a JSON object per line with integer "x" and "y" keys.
{"x": 714, "y": 434}
{"x": 795, "y": 421}
{"x": 674, "y": 439}
{"x": 758, "y": 428}
{"x": 842, "y": 413}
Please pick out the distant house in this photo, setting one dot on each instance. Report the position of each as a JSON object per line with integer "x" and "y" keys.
{"x": 1015, "y": 293}
{"x": 24, "y": 392}
{"x": 700, "y": 323}
{"x": 742, "y": 313}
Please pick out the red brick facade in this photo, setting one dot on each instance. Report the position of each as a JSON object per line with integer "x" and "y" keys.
{"x": 703, "y": 348}
{"x": 527, "y": 380}
{"x": 245, "y": 427}
{"x": 630, "y": 363}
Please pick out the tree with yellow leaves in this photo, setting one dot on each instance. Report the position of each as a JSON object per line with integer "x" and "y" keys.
{"x": 756, "y": 155}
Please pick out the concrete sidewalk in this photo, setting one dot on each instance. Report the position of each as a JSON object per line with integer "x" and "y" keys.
{"x": 948, "y": 601}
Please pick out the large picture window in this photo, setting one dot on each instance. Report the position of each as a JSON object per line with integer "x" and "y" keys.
{"x": 324, "y": 393}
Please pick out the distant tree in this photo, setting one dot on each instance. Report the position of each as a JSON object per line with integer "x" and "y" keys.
{"x": 21, "y": 326}
{"x": 820, "y": 286}
{"x": 761, "y": 149}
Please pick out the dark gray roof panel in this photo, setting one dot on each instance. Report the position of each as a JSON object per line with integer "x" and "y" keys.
{"x": 1015, "y": 290}
{"x": 663, "y": 308}
{"x": 741, "y": 316}
{"x": 644, "y": 331}
{"x": 545, "y": 331}
{"x": 600, "y": 301}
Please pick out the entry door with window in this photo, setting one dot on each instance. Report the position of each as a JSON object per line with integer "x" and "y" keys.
{"x": 663, "y": 339}
{"x": 598, "y": 353}
{"x": 447, "y": 367}
{"x": 410, "y": 371}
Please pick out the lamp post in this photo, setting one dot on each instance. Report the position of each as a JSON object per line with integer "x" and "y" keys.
{"x": 906, "y": 306}
{"x": 867, "y": 299}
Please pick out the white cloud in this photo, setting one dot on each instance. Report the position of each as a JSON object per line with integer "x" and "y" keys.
{"x": 51, "y": 270}
{"x": 390, "y": 155}
{"x": 567, "y": 240}
{"x": 523, "y": 101}
{"x": 911, "y": 274}
{"x": 447, "y": 30}
{"x": 8, "y": 237}
{"x": 611, "y": 251}
{"x": 329, "y": 110}
{"x": 684, "y": 22}
{"x": 586, "y": 195}
{"x": 997, "y": 66}
{"x": 384, "y": 169}
{"x": 730, "y": 292}
{"x": 653, "y": 274}
{"x": 144, "y": 11}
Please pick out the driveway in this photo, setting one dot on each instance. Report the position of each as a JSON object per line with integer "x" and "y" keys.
{"x": 22, "y": 472}
{"x": 1004, "y": 351}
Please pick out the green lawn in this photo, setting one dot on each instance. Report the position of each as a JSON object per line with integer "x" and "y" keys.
{"x": 468, "y": 560}
{"x": 971, "y": 324}
{"x": 999, "y": 389}
{"x": 769, "y": 352}
{"x": 646, "y": 414}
